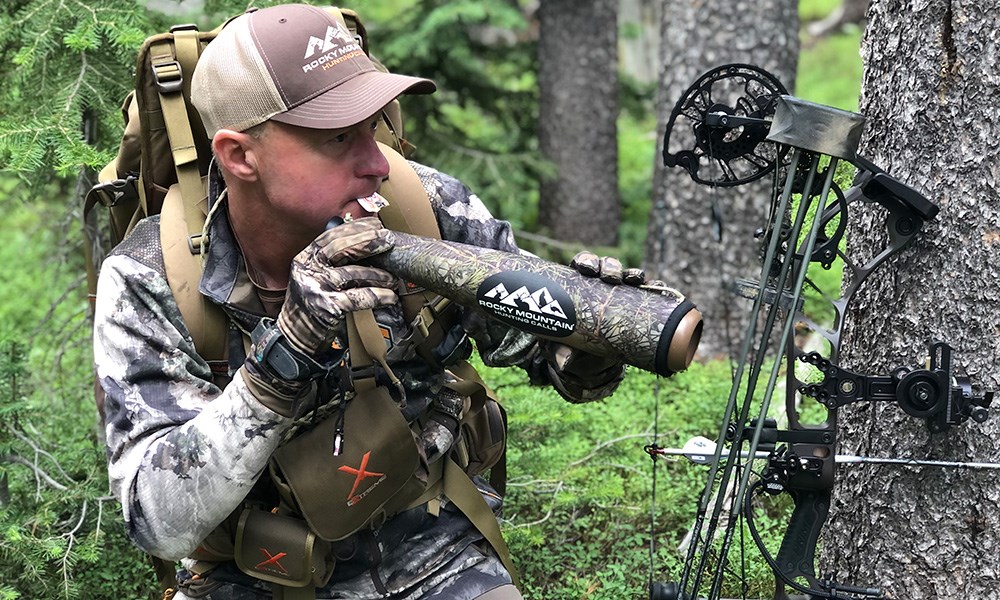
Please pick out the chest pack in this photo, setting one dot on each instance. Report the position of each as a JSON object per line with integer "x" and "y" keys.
{"x": 161, "y": 168}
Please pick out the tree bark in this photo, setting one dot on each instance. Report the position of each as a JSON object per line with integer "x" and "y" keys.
{"x": 926, "y": 533}
{"x": 577, "y": 130}
{"x": 680, "y": 249}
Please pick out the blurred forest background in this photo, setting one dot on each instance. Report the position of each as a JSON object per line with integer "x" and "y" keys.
{"x": 578, "y": 519}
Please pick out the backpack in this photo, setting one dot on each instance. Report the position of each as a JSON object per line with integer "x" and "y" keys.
{"x": 161, "y": 168}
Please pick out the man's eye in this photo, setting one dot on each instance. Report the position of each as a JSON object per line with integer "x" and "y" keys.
{"x": 374, "y": 125}
{"x": 340, "y": 138}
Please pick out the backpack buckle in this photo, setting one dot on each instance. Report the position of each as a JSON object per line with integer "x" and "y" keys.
{"x": 197, "y": 243}
{"x": 168, "y": 76}
{"x": 110, "y": 193}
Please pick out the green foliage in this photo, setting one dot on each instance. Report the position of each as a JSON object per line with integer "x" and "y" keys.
{"x": 60, "y": 534}
{"x": 480, "y": 125}
{"x": 63, "y": 63}
{"x": 813, "y": 10}
{"x": 577, "y": 515}
{"x": 830, "y": 70}
{"x": 636, "y": 147}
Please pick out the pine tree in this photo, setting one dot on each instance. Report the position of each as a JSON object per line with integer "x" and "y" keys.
{"x": 63, "y": 65}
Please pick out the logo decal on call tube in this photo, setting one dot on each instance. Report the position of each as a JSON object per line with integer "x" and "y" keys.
{"x": 528, "y": 301}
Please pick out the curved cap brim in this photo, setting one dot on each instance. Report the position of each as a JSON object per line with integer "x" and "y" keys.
{"x": 353, "y": 100}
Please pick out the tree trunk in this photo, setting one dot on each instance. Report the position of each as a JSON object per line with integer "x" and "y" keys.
{"x": 680, "y": 248}
{"x": 922, "y": 532}
{"x": 577, "y": 131}
{"x": 639, "y": 23}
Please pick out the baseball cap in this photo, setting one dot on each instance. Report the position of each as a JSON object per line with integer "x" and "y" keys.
{"x": 292, "y": 63}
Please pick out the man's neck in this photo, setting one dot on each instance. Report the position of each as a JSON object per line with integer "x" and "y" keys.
{"x": 268, "y": 247}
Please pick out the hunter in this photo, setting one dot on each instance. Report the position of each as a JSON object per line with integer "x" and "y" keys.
{"x": 209, "y": 464}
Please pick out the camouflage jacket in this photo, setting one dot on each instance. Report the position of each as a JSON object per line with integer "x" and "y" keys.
{"x": 184, "y": 454}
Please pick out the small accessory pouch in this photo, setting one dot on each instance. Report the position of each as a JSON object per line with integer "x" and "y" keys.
{"x": 281, "y": 550}
{"x": 339, "y": 495}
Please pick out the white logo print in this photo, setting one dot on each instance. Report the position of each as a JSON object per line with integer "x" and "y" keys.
{"x": 322, "y": 45}
{"x": 540, "y": 301}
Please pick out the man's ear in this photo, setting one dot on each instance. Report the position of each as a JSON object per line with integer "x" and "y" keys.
{"x": 236, "y": 153}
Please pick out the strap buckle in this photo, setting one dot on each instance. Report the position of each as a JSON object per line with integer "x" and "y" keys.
{"x": 169, "y": 76}
{"x": 197, "y": 243}
{"x": 110, "y": 193}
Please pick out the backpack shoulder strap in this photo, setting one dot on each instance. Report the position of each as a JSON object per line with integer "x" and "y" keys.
{"x": 409, "y": 207}
{"x": 172, "y": 61}
{"x": 410, "y": 210}
{"x": 205, "y": 320}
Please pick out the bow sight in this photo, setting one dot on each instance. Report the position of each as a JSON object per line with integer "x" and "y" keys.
{"x": 933, "y": 394}
{"x": 735, "y": 124}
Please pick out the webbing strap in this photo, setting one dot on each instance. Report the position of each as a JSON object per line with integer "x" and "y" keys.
{"x": 367, "y": 346}
{"x": 337, "y": 14}
{"x": 282, "y": 592}
{"x": 478, "y": 391}
{"x": 205, "y": 320}
{"x": 410, "y": 210}
{"x": 462, "y": 492}
{"x": 172, "y": 66}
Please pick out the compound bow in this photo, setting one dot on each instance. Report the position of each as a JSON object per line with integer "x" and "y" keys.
{"x": 736, "y": 124}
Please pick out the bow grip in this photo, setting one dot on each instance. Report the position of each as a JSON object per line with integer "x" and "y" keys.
{"x": 796, "y": 557}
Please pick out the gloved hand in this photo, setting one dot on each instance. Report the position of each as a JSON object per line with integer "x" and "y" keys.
{"x": 325, "y": 285}
{"x": 608, "y": 269}
{"x": 579, "y": 376}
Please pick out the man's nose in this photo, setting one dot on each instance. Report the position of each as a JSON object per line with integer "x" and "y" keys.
{"x": 373, "y": 163}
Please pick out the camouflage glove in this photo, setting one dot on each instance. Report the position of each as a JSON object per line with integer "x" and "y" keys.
{"x": 579, "y": 376}
{"x": 607, "y": 268}
{"x": 323, "y": 287}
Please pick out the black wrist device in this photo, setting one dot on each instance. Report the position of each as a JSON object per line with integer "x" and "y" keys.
{"x": 275, "y": 355}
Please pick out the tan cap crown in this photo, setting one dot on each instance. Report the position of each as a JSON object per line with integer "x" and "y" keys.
{"x": 291, "y": 63}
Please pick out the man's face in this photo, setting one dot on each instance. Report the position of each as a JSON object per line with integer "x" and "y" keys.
{"x": 312, "y": 175}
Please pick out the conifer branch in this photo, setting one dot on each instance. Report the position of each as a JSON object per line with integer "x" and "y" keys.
{"x": 40, "y": 474}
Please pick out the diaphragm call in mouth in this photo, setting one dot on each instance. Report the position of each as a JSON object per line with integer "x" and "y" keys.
{"x": 373, "y": 203}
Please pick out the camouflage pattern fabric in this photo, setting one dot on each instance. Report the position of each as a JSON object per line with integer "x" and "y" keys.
{"x": 184, "y": 454}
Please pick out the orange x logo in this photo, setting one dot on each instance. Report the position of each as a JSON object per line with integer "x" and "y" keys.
{"x": 270, "y": 559}
{"x": 360, "y": 473}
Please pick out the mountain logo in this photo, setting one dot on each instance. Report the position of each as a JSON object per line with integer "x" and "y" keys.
{"x": 528, "y": 301}
{"x": 327, "y": 43}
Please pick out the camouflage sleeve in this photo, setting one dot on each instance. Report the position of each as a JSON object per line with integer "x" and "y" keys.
{"x": 464, "y": 218}
{"x": 182, "y": 454}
